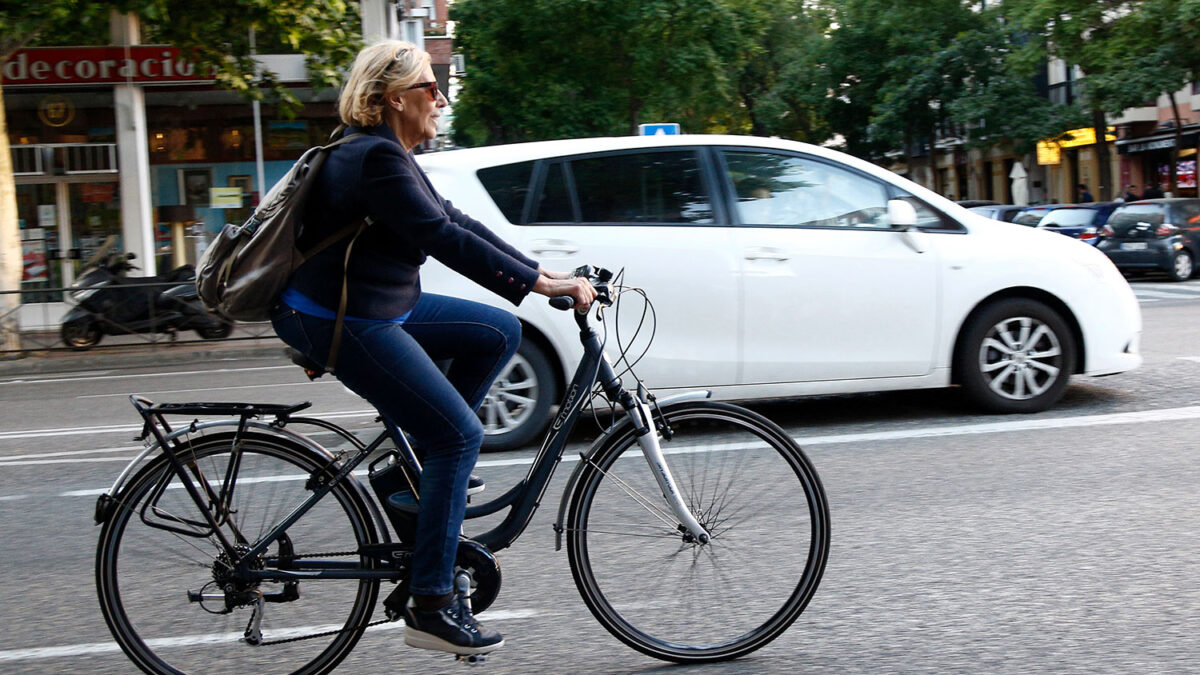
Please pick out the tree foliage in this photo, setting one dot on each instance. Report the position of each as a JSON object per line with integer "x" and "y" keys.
{"x": 542, "y": 69}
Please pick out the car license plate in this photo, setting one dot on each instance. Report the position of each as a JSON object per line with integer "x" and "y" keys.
{"x": 1135, "y": 246}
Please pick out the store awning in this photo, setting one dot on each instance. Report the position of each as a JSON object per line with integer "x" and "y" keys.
{"x": 1163, "y": 140}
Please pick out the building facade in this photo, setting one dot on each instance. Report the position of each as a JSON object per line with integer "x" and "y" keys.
{"x": 124, "y": 147}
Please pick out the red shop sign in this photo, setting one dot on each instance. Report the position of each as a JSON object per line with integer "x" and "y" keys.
{"x": 59, "y": 66}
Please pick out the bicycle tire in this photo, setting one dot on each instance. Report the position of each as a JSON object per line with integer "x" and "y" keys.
{"x": 143, "y": 573}
{"x": 690, "y": 602}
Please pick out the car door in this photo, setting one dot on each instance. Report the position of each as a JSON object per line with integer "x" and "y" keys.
{"x": 829, "y": 290}
{"x": 651, "y": 213}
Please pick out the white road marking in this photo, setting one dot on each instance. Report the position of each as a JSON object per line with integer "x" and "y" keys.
{"x": 89, "y": 378}
{"x": 1140, "y": 417}
{"x": 1173, "y": 295}
{"x": 125, "y": 428}
{"x": 91, "y": 648}
{"x": 188, "y": 391}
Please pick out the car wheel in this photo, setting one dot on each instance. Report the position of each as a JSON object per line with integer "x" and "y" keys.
{"x": 1016, "y": 357}
{"x": 1181, "y": 266}
{"x": 81, "y": 335}
{"x": 517, "y": 407}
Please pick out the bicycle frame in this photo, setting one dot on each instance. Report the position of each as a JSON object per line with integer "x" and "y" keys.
{"x": 522, "y": 499}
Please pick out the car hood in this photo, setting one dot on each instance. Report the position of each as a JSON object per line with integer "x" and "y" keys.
{"x": 1035, "y": 242}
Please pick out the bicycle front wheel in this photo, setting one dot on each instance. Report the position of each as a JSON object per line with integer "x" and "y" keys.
{"x": 155, "y": 557}
{"x": 754, "y": 491}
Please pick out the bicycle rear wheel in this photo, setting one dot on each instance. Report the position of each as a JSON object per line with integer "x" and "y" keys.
{"x": 144, "y": 573}
{"x": 751, "y": 488}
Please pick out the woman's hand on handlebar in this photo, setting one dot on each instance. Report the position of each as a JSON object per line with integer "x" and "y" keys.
{"x": 577, "y": 288}
{"x": 552, "y": 274}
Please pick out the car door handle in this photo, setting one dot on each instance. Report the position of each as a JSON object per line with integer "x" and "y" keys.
{"x": 765, "y": 253}
{"x": 544, "y": 246}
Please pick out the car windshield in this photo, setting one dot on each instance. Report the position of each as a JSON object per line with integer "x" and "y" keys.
{"x": 1127, "y": 218}
{"x": 1068, "y": 218}
{"x": 1029, "y": 217}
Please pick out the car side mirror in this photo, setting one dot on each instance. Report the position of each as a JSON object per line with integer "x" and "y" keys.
{"x": 903, "y": 218}
{"x": 901, "y": 214}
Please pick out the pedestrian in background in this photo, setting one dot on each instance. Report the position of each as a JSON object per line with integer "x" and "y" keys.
{"x": 1152, "y": 192}
{"x": 1084, "y": 195}
{"x": 1130, "y": 195}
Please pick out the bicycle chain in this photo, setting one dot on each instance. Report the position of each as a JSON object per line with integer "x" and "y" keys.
{"x": 267, "y": 643}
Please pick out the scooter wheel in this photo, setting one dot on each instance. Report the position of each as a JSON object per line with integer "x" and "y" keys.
{"x": 80, "y": 335}
{"x": 221, "y": 330}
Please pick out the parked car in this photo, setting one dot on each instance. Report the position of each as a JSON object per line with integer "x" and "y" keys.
{"x": 1002, "y": 212}
{"x": 778, "y": 268}
{"x": 1079, "y": 221}
{"x": 1159, "y": 234}
{"x": 971, "y": 203}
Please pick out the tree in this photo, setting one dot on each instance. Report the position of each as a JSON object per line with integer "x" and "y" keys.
{"x": 325, "y": 32}
{"x": 543, "y": 69}
{"x": 1080, "y": 32}
{"x": 999, "y": 103}
{"x": 784, "y": 87}
{"x": 1154, "y": 53}
{"x": 896, "y": 75}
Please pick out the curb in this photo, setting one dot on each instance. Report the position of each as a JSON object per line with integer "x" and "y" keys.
{"x": 135, "y": 356}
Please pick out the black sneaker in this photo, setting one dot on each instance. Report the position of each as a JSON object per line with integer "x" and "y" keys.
{"x": 449, "y": 629}
{"x": 475, "y": 485}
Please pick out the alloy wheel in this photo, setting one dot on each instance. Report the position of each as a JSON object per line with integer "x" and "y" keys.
{"x": 1020, "y": 358}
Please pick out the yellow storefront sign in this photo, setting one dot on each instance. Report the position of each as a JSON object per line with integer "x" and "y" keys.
{"x": 1048, "y": 152}
{"x": 225, "y": 197}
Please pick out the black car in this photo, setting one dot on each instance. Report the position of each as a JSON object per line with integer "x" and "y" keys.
{"x": 1154, "y": 234}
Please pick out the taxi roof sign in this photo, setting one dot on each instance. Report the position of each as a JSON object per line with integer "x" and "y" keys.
{"x": 659, "y": 129}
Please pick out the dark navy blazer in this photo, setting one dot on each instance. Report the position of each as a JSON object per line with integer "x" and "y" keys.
{"x": 374, "y": 176}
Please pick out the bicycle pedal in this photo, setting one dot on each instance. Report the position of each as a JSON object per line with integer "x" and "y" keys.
{"x": 471, "y": 659}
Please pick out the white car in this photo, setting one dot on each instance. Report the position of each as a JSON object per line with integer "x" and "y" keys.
{"x": 778, "y": 268}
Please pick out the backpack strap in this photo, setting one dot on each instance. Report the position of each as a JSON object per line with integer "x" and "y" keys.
{"x": 336, "y": 343}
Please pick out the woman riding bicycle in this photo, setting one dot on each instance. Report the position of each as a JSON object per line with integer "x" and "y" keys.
{"x": 393, "y": 334}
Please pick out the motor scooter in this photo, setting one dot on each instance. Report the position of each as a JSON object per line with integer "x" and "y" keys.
{"x": 108, "y": 302}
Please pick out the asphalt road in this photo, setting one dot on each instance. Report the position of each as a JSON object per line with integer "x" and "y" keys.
{"x": 1059, "y": 542}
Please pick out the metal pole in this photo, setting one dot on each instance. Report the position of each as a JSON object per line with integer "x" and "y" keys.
{"x": 258, "y": 146}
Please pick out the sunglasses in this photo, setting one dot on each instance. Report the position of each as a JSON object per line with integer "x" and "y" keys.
{"x": 430, "y": 88}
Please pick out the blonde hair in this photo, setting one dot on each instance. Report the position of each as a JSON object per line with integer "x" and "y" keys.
{"x": 379, "y": 70}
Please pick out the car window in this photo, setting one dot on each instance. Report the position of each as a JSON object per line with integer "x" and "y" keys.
{"x": 554, "y": 202}
{"x": 1189, "y": 214}
{"x": 1068, "y": 218}
{"x": 778, "y": 189}
{"x": 1128, "y": 218}
{"x": 642, "y": 187}
{"x": 508, "y": 186}
{"x": 1029, "y": 218}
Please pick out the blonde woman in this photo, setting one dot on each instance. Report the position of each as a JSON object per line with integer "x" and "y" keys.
{"x": 393, "y": 333}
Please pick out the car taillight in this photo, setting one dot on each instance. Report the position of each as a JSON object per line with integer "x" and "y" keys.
{"x": 1106, "y": 231}
{"x": 1166, "y": 230}
{"x": 1089, "y": 234}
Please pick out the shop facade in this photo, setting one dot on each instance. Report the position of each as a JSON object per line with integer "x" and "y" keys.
{"x": 125, "y": 147}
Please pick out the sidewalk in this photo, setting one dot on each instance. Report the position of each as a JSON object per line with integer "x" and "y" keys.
{"x": 109, "y": 356}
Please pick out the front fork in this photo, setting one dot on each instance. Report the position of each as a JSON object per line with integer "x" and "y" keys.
{"x": 648, "y": 440}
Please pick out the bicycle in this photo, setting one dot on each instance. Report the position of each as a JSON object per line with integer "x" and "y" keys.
{"x": 230, "y": 543}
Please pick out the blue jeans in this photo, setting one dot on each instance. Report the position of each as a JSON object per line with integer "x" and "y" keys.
{"x": 393, "y": 367}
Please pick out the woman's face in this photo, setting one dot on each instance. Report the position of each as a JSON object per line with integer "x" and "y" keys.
{"x": 420, "y": 107}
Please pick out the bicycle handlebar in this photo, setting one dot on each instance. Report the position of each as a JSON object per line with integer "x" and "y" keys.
{"x": 599, "y": 278}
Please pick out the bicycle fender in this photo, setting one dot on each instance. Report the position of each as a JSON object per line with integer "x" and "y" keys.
{"x": 605, "y": 438}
